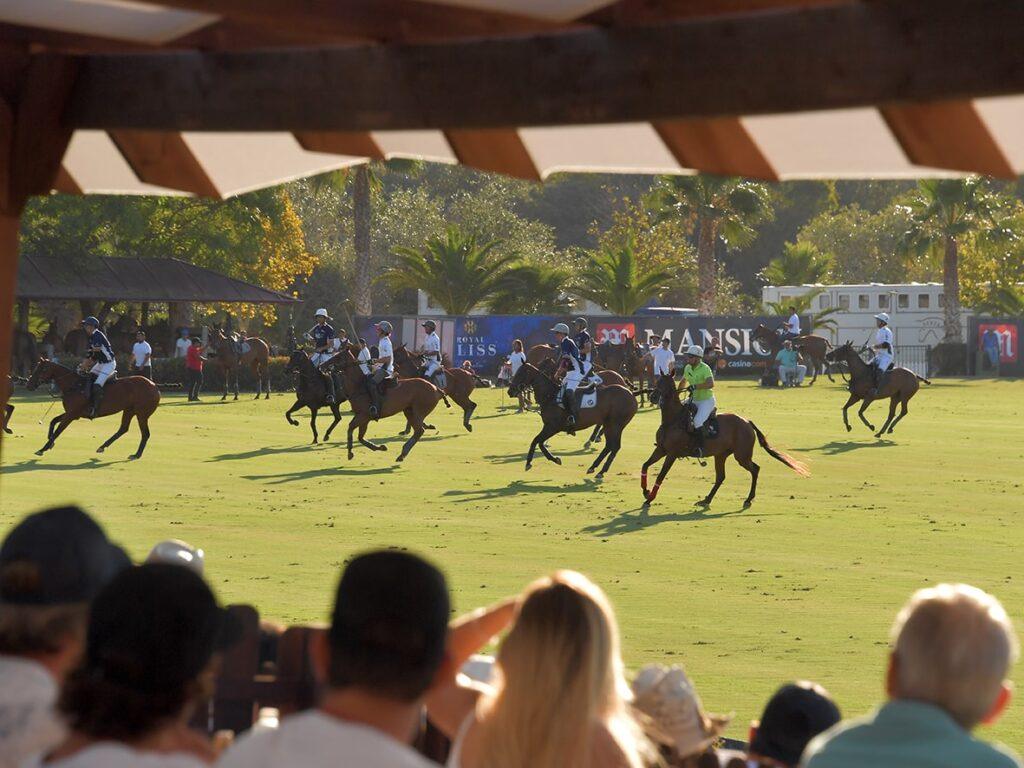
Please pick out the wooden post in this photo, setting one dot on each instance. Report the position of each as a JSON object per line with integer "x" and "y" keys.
{"x": 9, "y": 225}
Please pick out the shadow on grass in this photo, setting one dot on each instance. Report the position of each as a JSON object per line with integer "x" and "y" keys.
{"x": 271, "y": 450}
{"x": 512, "y": 458}
{"x": 638, "y": 518}
{"x": 41, "y": 464}
{"x": 323, "y": 472}
{"x": 837, "y": 447}
{"x": 517, "y": 487}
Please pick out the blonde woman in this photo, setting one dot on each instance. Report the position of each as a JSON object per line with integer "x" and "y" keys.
{"x": 556, "y": 698}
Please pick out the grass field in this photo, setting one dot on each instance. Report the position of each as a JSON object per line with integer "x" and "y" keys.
{"x": 802, "y": 585}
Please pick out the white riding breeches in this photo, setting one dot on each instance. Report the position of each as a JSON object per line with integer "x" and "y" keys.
{"x": 587, "y": 367}
{"x": 883, "y": 360}
{"x": 572, "y": 379}
{"x": 319, "y": 358}
{"x": 103, "y": 371}
{"x": 704, "y": 409}
{"x": 432, "y": 367}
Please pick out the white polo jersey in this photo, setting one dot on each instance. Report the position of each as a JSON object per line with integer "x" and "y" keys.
{"x": 664, "y": 361}
{"x": 139, "y": 351}
{"x": 384, "y": 349}
{"x": 793, "y": 326}
{"x": 432, "y": 343}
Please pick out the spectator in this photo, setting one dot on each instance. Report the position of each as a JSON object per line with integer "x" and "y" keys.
{"x": 384, "y": 649}
{"x": 52, "y": 564}
{"x": 516, "y": 360}
{"x": 990, "y": 345}
{"x": 182, "y": 344}
{"x": 142, "y": 356}
{"x": 664, "y": 358}
{"x": 791, "y": 372}
{"x": 559, "y": 698}
{"x": 177, "y": 552}
{"x": 194, "y": 369}
{"x": 154, "y": 632}
{"x": 793, "y": 716}
{"x": 953, "y": 646}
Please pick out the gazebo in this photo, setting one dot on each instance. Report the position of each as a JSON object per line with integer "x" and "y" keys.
{"x": 215, "y": 97}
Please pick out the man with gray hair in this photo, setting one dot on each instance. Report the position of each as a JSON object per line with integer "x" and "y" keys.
{"x": 953, "y": 646}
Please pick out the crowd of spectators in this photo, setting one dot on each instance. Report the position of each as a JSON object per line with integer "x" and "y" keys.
{"x": 105, "y": 664}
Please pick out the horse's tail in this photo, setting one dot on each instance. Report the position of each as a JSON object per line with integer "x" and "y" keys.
{"x": 797, "y": 466}
{"x": 922, "y": 379}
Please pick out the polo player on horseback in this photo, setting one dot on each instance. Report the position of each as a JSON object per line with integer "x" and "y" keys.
{"x": 700, "y": 383}
{"x": 569, "y": 355}
{"x": 585, "y": 345}
{"x": 100, "y": 362}
{"x": 382, "y": 367}
{"x": 433, "y": 371}
{"x": 884, "y": 352}
{"x": 324, "y": 339}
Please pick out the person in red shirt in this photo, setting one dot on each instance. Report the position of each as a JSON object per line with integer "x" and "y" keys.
{"x": 194, "y": 369}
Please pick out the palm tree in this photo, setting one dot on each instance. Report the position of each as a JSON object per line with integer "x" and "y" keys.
{"x": 944, "y": 212}
{"x": 803, "y": 304}
{"x": 454, "y": 270}
{"x": 528, "y": 289}
{"x": 613, "y": 278}
{"x": 799, "y": 264}
{"x": 718, "y": 208}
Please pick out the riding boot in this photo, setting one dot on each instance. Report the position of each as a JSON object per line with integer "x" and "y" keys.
{"x": 698, "y": 442}
{"x": 97, "y": 397}
{"x": 376, "y": 401}
{"x": 571, "y": 410}
{"x": 329, "y": 387}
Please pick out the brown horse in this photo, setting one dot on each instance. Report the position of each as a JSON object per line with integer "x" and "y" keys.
{"x": 536, "y": 354}
{"x": 310, "y": 392}
{"x": 416, "y": 398}
{"x": 813, "y": 348}
{"x": 133, "y": 396}
{"x": 24, "y": 352}
{"x": 459, "y": 383}
{"x": 615, "y": 408}
{"x": 608, "y": 378}
{"x": 227, "y": 358}
{"x": 8, "y": 408}
{"x": 901, "y": 385}
{"x": 736, "y": 437}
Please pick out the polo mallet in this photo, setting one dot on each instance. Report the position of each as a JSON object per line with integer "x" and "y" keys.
{"x": 53, "y": 401}
{"x": 351, "y": 325}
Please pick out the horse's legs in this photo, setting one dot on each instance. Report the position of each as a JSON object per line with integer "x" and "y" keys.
{"x": 846, "y": 420}
{"x": 367, "y": 443}
{"x": 468, "y": 406}
{"x": 337, "y": 417}
{"x": 814, "y": 376}
{"x": 669, "y": 461}
{"x": 903, "y": 412}
{"x": 259, "y": 378}
{"x": 417, "y": 433}
{"x": 408, "y": 426}
{"x": 754, "y": 470}
{"x": 351, "y": 428}
{"x": 595, "y": 436}
{"x": 144, "y": 429}
{"x": 53, "y": 426}
{"x": 312, "y": 421}
{"x": 64, "y": 421}
{"x": 892, "y": 413}
{"x": 126, "y": 419}
{"x": 547, "y": 452}
{"x": 600, "y": 457}
{"x": 616, "y": 442}
{"x": 543, "y": 435}
{"x": 655, "y": 456}
{"x": 296, "y": 406}
{"x": 238, "y": 370}
{"x": 719, "y": 479}
{"x": 860, "y": 413}
{"x": 8, "y": 412}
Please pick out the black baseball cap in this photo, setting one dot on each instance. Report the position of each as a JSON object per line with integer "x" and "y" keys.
{"x": 154, "y": 627}
{"x": 55, "y": 557}
{"x": 793, "y": 716}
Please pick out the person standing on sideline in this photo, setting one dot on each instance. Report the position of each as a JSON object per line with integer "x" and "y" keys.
{"x": 884, "y": 353}
{"x": 194, "y": 369}
{"x": 700, "y": 384}
{"x": 790, "y": 371}
{"x": 99, "y": 361}
{"x": 990, "y": 344}
{"x": 181, "y": 346}
{"x": 569, "y": 358}
{"x": 664, "y": 358}
{"x": 515, "y": 361}
{"x": 142, "y": 356}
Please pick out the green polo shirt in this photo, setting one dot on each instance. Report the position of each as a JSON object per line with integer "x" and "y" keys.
{"x": 904, "y": 734}
{"x": 698, "y": 374}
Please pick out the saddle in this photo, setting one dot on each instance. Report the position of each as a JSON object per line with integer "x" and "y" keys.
{"x": 586, "y": 397}
{"x": 710, "y": 427}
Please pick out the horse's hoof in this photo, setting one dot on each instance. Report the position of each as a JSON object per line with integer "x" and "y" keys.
{"x": 586, "y": 446}
{"x": 591, "y": 471}
{"x": 400, "y": 458}
{"x": 646, "y": 505}
{"x": 134, "y": 456}
{"x": 558, "y": 461}
{"x": 599, "y": 476}
{"x": 381, "y": 448}
{"x": 8, "y": 431}
{"x": 703, "y": 503}
{"x": 528, "y": 466}
{"x": 747, "y": 503}
{"x": 100, "y": 449}
{"x": 314, "y": 441}
{"x": 469, "y": 427}
{"x": 350, "y": 454}
{"x": 40, "y": 453}
{"x": 849, "y": 428}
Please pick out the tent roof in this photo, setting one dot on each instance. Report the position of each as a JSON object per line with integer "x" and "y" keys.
{"x": 134, "y": 279}
{"x": 218, "y": 97}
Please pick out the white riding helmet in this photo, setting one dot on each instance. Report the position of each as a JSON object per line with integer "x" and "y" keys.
{"x": 695, "y": 350}
{"x": 883, "y": 316}
{"x": 561, "y": 328}
{"x": 384, "y": 325}
{"x": 322, "y": 313}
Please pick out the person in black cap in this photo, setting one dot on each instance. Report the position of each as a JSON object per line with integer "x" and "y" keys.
{"x": 52, "y": 565}
{"x": 384, "y": 650}
{"x": 154, "y": 631}
{"x": 793, "y": 716}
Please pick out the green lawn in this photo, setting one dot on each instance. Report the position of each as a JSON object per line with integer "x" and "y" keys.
{"x": 802, "y": 585}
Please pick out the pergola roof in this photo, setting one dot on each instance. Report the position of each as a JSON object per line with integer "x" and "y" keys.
{"x": 134, "y": 279}
{"x": 217, "y": 97}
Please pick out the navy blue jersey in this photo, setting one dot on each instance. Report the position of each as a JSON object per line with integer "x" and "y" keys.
{"x": 322, "y": 335}
{"x": 569, "y": 349}
{"x": 582, "y": 339}
{"x": 99, "y": 347}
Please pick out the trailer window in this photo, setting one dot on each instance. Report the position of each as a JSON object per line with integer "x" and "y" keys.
{"x": 923, "y": 300}
{"x": 883, "y": 301}
{"x": 824, "y": 301}
{"x": 903, "y": 301}
{"x": 844, "y": 301}
{"x": 863, "y": 301}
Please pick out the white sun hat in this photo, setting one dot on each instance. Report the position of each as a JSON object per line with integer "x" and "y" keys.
{"x": 674, "y": 711}
{"x": 322, "y": 312}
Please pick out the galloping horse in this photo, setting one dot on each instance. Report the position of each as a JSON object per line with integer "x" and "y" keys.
{"x": 901, "y": 385}
{"x": 608, "y": 378}
{"x": 735, "y": 437}
{"x": 614, "y": 409}
{"x": 538, "y": 353}
{"x": 815, "y": 348}
{"x": 230, "y": 361}
{"x": 416, "y": 398}
{"x": 131, "y": 396}
{"x": 310, "y": 392}
{"x": 459, "y": 383}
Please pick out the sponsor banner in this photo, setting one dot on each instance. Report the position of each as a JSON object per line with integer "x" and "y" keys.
{"x": 996, "y": 337}
{"x": 485, "y": 341}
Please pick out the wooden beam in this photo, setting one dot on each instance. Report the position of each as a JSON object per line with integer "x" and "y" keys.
{"x": 718, "y": 145}
{"x": 65, "y": 183}
{"x": 9, "y": 226}
{"x": 630, "y": 12}
{"x": 164, "y": 159}
{"x": 353, "y": 143}
{"x": 385, "y": 20}
{"x": 825, "y": 58}
{"x": 948, "y": 134}
{"x": 496, "y": 150}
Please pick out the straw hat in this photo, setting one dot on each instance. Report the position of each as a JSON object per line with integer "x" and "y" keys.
{"x": 676, "y": 717}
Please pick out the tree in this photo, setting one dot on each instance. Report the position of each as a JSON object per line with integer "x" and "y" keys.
{"x": 799, "y": 264}
{"x": 455, "y": 270}
{"x": 943, "y": 213}
{"x": 613, "y": 278}
{"x": 1003, "y": 301}
{"x": 719, "y": 209}
{"x": 864, "y": 245}
{"x": 803, "y": 306}
{"x": 532, "y": 289}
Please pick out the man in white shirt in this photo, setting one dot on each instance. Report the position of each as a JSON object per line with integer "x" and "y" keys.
{"x": 793, "y": 324}
{"x": 884, "y": 353}
{"x": 433, "y": 370}
{"x": 383, "y": 652}
{"x": 52, "y": 564}
{"x": 382, "y": 367}
{"x": 664, "y": 358}
{"x": 183, "y": 343}
{"x": 142, "y": 356}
